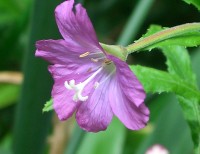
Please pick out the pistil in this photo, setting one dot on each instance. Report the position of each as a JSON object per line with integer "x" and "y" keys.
{"x": 78, "y": 88}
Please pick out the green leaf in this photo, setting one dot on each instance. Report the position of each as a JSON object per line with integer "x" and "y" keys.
{"x": 48, "y": 106}
{"x": 152, "y": 30}
{"x": 196, "y": 3}
{"x": 191, "y": 111}
{"x": 155, "y": 81}
{"x": 9, "y": 94}
{"x": 195, "y": 64}
{"x": 178, "y": 62}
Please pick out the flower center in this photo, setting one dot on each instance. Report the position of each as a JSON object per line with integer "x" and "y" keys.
{"x": 78, "y": 88}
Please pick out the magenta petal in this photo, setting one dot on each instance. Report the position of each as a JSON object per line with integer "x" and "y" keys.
{"x": 56, "y": 51}
{"x": 62, "y": 99}
{"x": 132, "y": 117}
{"x": 95, "y": 114}
{"x": 129, "y": 105}
{"x": 62, "y": 52}
{"x": 76, "y": 25}
{"x": 128, "y": 82}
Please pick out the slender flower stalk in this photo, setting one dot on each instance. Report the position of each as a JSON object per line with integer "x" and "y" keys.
{"x": 88, "y": 80}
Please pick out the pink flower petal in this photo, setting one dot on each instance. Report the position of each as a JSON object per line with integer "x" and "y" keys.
{"x": 75, "y": 26}
{"x": 63, "y": 53}
{"x": 95, "y": 114}
{"x": 62, "y": 99}
{"x": 128, "y": 82}
{"x": 127, "y": 98}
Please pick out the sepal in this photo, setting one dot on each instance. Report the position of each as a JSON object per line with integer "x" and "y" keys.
{"x": 116, "y": 50}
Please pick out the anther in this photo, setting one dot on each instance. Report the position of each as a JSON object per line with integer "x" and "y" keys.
{"x": 94, "y": 60}
{"x": 106, "y": 61}
{"x": 84, "y": 54}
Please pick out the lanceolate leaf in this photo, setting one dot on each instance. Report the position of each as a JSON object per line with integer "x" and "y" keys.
{"x": 179, "y": 67}
{"x": 178, "y": 62}
{"x": 155, "y": 81}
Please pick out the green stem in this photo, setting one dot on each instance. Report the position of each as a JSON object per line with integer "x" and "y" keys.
{"x": 163, "y": 35}
{"x": 135, "y": 21}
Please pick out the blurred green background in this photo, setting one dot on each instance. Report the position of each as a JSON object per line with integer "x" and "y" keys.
{"x": 25, "y": 84}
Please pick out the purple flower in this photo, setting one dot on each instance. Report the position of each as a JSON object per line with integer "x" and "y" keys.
{"x": 87, "y": 80}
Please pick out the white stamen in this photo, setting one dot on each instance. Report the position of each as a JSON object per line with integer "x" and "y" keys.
{"x": 68, "y": 86}
{"x": 96, "y": 53}
{"x": 79, "y": 87}
{"x": 97, "y": 59}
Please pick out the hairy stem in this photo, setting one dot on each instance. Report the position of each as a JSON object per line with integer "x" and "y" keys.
{"x": 163, "y": 35}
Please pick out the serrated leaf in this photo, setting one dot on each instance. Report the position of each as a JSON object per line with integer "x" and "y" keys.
{"x": 152, "y": 30}
{"x": 180, "y": 70}
{"x": 196, "y": 3}
{"x": 48, "y": 106}
{"x": 178, "y": 62}
{"x": 155, "y": 81}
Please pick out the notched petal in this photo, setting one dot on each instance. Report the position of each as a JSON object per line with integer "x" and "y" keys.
{"x": 76, "y": 25}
